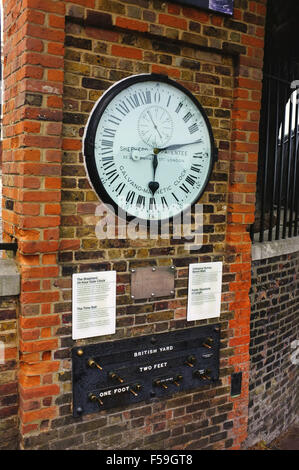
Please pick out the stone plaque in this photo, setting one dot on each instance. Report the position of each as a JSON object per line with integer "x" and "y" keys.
{"x": 152, "y": 282}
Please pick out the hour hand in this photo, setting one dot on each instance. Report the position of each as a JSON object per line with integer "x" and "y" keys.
{"x": 154, "y": 185}
{"x": 155, "y": 164}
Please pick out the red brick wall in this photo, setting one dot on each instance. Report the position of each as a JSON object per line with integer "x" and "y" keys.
{"x": 9, "y": 433}
{"x": 33, "y": 74}
{"x": 49, "y": 206}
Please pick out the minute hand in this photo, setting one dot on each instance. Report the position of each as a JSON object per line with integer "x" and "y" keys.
{"x": 176, "y": 146}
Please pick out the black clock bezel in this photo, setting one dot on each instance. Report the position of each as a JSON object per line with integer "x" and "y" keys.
{"x": 92, "y": 125}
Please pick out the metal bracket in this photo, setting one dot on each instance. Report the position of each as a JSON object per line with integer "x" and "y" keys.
{"x": 9, "y": 247}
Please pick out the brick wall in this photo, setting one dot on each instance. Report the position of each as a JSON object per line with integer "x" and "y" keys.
{"x": 59, "y": 57}
{"x": 274, "y": 396}
{"x": 9, "y": 434}
{"x": 33, "y": 37}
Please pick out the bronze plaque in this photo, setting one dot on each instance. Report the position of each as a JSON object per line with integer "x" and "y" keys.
{"x": 152, "y": 282}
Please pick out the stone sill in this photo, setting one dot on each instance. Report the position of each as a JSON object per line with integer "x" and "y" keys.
{"x": 268, "y": 249}
{"x": 9, "y": 278}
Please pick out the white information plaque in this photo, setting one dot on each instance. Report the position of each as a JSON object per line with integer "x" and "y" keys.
{"x": 204, "y": 290}
{"x": 94, "y": 304}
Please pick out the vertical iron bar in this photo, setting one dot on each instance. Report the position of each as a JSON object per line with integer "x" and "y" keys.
{"x": 294, "y": 185}
{"x": 296, "y": 181}
{"x": 281, "y": 165}
{"x": 266, "y": 158}
{"x": 288, "y": 169}
{"x": 278, "y": 154}
{"x": 274, "y": 185}
{"x": 297, "y": 200}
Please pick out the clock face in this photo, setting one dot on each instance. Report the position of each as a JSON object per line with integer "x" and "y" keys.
{"x": 149, "y": 147}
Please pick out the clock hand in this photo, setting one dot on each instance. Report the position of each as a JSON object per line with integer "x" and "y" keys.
{"x": 155, "y": 164}
{"x": 154, "y": 185}
{"x": 176, "y": 146}
{"x": 149, "y": 114}
{"x": 154, "y": 123}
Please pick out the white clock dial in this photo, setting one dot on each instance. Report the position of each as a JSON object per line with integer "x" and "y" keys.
{"x": 148, "y": 147}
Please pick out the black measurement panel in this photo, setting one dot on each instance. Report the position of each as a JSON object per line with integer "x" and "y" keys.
{"x": 121, "y": 373}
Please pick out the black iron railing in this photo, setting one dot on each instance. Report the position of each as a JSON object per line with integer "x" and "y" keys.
{"x": 278, "y": 172}
{"x": 9, "y": 247}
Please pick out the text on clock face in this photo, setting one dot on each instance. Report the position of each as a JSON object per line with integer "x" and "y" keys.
{"x": 152, "y": 149}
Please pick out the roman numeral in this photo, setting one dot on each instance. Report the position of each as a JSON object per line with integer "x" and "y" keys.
{"x": 107, "y": 143}
{"x": 184, "y": 188}
{"x": 109, "y": 166}
{"x": 168, "y": 101}
{"x": 120, "y": 188}
{"x": 130, "y": 197}
{"x": 179, "y": 107}
{"x": 115, "y": 178}
{"x": 107, "y": 146}
{"x": 112, "y": 174}
{"x": 114, "y": 120}
{"x": 152, "y": 203}
{"x": 200, "y": 155}
{"x": 109, "y": 132}
{"x": 193, "y": 128}
{"x": 190, "y": 180}
{"x": 175, "y": 197}
{"x": 164, "y": 202}
{"x": 107, "y": 160}
{"x": 140, "y": 201}
{"x": 157, "y": 97}
{"x": 133, "y": 101}
{"x": 187, "y": 117}
{"x": 123, "y": 108}
{"x": 145, "y": 97}
{"x": 196, "y": 167}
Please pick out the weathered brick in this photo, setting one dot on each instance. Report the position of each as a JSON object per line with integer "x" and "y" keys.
{"x": 104, "y": 43}
{"x": 79, "y": 43}
{"x": 98, "y": 19}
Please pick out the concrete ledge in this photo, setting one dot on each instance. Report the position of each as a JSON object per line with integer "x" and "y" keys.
{"x": 9, "y": 278}
{"x": 265, "y": 250}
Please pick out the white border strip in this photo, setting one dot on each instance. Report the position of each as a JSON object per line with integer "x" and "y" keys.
{"x": 274, "y": 248}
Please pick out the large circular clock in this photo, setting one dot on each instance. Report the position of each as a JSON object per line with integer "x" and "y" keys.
{"x": 149, "y": 147}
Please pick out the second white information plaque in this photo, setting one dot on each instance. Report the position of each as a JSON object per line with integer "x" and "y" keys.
{"x": 94, "y": 304}
{"x": 204, "y": 290}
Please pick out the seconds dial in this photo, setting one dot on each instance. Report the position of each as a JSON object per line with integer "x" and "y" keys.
{"x": 155, "y": 126}
{"x": 149, "y": 147}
